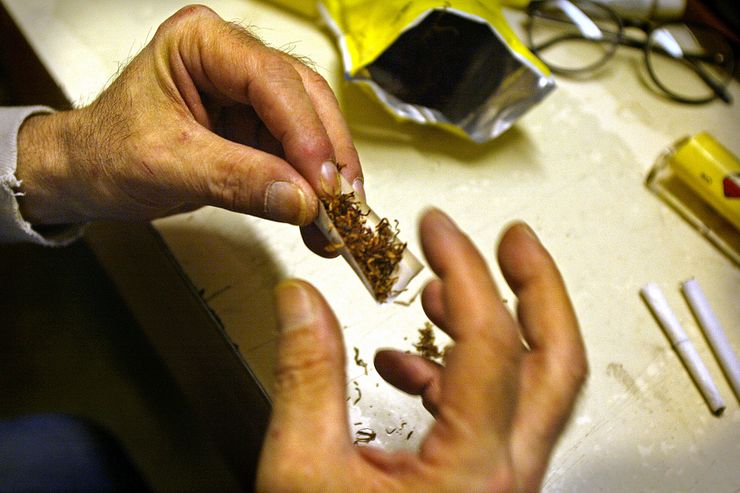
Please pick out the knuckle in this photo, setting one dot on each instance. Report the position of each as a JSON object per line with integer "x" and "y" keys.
{"x": 279, "y": 70}
{"x": 193, "y": 10}
{"x": 507, "y": 360}
{"x": 312, "y": 143}
{"x": 229, "y": 186}
{"x": 573, "y": 366}
{"x": 579, "y": 369}
{"x": 315, "y": 79}
{"x": 499, "y": 338}
{"x": 503, "y": 480}
{"x": 571, "y": 373}
{"x": 304, "y": 373}
{"x": 303, "y": 370}
{"x": 184, "y": 15}
{"x": 314, "y": 146}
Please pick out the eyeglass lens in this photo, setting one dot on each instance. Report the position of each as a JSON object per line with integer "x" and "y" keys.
{"x": 573, "y": 36}
{"x": 691, "y": 63}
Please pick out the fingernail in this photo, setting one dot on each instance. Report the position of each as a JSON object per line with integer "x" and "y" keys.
{"x": 329, "y": 178}
{"x": 359, "y": 187}
{"x": 529, "y": 231}
{"x": 444, "y": 220}
{"x": 294, "y": 306}
{"x": 285, "y": 202}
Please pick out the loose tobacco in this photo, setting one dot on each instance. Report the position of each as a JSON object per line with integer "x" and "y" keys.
{"x": 427, "y": 347}
{"x": 359, "y": 361}
{"x": 377, "y": 251}
{"x": 364, "y": 435}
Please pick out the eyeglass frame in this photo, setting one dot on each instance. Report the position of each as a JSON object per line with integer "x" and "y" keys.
{"x": 621, "y": 38}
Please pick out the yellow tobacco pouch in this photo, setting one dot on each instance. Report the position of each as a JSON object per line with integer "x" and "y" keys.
{"x": 453, "y": 63}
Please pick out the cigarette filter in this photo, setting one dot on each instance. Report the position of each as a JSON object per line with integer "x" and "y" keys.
{"x": 657, "y": 303}
{"x": 700, "y": 179}
{"x": 714, "y": 333}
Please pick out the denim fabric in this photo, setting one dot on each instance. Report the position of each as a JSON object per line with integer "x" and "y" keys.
{"x": 60, "y": 453}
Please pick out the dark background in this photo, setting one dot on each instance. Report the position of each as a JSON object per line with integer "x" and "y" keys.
{"x": 70, "y": 344}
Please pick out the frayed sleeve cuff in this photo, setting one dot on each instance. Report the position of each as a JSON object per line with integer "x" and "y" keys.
{"x": 13, "y": 228}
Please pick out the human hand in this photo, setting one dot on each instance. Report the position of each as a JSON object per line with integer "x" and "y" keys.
{"x": 499, "y": 408}
{"x": 206, "y": 114}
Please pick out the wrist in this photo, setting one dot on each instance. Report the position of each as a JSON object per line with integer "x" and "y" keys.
{"x": 43, "y": 167}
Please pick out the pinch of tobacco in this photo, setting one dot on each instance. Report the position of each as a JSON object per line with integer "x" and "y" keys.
{"x": 376, "y": 250}
{"x": 426, "y": 346}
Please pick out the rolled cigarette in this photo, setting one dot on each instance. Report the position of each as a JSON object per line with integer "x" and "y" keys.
{"x": 657, "y": 303}
{"x": 714, "y": 333}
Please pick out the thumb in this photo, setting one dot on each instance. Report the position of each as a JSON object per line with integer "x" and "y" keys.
{"x": 309, "y": 398}
{"x": 244, "y": 179}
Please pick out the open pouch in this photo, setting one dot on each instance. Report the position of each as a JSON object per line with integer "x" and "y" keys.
{"x": 456, "y": 64}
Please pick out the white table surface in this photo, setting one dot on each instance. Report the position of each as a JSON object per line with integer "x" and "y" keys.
{"x": 573, "y": 167}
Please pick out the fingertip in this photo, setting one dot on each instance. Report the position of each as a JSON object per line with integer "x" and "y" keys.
{"x": 309, "y": 373}
{"x": 358, "y": 185}
{"x": 300, "y": 304}
{"x": 295, "y": 305}
{"x": 434, "y": 219}
{"x": 350, "y": 167}
{"x": 437, "y": 233}
{"x": 520, "y": 251}
{"x": 329, "y": 177}
{"x": 308, "y": 153}
{"x": 544, "y": 310}
{"x": 383, "y": 357}
{"x": 315, "y": 241}
{"x": 289, "y": 202}
{"x": 386, "y": 362}
{"x": 425, "y": 217}
{"x": 522, "y": 228}
{"x": 302, "y": 309}
{"x": 519, "y": 233}
{"x": 450, "y": 252}
{"x": 412, "y": 374}
{"x": 310, "y": 205}
{"x": 432, "y": 300}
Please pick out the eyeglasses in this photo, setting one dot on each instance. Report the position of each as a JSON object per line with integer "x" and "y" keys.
{"x": 689, "y": 63}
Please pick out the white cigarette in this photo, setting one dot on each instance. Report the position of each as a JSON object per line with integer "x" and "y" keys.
{"x": 654, "y": 298}
{"x": 714, "y": 333}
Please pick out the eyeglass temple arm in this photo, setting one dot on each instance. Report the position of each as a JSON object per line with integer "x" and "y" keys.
{"x": 565, "y": 37}
{"x": 720, "y": 91}
{"x": 611, "y": 37}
